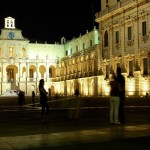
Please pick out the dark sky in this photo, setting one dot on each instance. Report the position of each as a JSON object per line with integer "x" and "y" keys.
{"x": 49, "y": 20}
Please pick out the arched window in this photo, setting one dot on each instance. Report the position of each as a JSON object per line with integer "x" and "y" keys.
{"x": 106, "y": 39}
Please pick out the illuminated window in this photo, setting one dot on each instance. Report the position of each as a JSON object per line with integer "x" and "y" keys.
{"x": 11, "y": 23}
{"x": 106, "y": 39}
{"x": 144, "y": 28}
{"x": 7, "y": 23}
{"x": 11, "y": 51}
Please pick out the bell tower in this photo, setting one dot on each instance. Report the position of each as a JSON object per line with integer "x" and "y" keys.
{"x": 10, "y": 23}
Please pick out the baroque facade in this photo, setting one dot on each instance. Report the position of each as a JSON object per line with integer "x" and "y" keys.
{"x": 85, "y": 62}
{"x": 124, "y": 27}
{"x": 23, "y": 64}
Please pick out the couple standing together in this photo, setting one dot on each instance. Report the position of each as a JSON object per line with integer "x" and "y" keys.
{"x": 117, "y": 98}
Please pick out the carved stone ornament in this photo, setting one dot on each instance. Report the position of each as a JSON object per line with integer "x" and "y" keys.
{"x": 12, "y": 60}
{"x": 145, "y": 38}
{"x": 130, "y": 42}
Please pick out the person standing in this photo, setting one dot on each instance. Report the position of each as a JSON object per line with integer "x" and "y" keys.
{"x": 121, "y": 81}
{"x": 33, "y": 98}
{"x": 43, "y": 101}
{"x": 21, "y": 99}
{"x": 114, "y": 100}
{"x": 77, "y": 94}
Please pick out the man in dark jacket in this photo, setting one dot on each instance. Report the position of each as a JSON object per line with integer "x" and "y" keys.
{"x": 121, "y": 81}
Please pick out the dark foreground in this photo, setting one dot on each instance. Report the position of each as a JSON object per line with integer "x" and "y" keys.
{"x": 21, "y": 129}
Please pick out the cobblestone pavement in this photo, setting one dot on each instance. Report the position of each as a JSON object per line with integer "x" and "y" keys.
{"x": 22, "y": 129}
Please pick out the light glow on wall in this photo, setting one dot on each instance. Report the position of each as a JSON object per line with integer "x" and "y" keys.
{"x": 131, "y": 86}
{"x": 144, "y": 86}
{"x": 106, "y": 87}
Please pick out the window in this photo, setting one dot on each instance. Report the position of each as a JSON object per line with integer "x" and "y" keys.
{"x": 129, "y": 33}
{"x": 11, "y": 51}
{"x": 31, "y": 73}
{"x": 50, "y": 72}
{"x": 131, "y": 68}
{"x": 10, "y": 75}
{"x": 91, "y": 43}
{"x": 76, "y": 48}
{"x": 66, "y": 52}
{"x": 107, "y": 4}
{"x": 106, "y": 39}
{"x": 107, "y": 72}
{"x": 117, "y": 37}
{"x": 144, "y": 28}
{"x": 83, "y": 46}
{"x": 145, "y": 66}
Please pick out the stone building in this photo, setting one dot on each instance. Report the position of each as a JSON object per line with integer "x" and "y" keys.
{"x": 124, "y": 27}
{"x": 79, "y": 68}
{"x": 23, "y": 64}
{"x": 85, "y": 62}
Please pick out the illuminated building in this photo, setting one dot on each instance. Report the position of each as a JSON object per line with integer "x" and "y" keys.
{"x": 85, "y": 62}
{"x": 124, "y": 41}
{"x": 23, "y": 64}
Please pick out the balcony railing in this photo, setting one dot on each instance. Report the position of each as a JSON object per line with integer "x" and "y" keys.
{"x": 116, "y": 6}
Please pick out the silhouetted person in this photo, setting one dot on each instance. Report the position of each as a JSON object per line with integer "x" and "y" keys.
{"x": 121, "y": 81}
{"x": 77, "y": 94}
{"x": 43, "y": 101}
{"x": 33, "y": 98}
{"x": 21, "y": 99}
{"x": 114, "y": 100}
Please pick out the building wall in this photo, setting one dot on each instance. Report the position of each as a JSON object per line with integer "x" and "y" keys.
{"x": 23, "y": 64}
{"x": 118, "y": 17}
{"x": 85, "y": 62}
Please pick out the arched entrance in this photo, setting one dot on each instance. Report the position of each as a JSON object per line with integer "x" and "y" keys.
{"x": 11, "y": 70}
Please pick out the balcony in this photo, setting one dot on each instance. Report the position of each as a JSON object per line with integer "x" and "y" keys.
{"x": 115, "y": 8}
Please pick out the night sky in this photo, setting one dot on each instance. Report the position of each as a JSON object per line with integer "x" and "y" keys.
{"x": 49, "y": 20}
